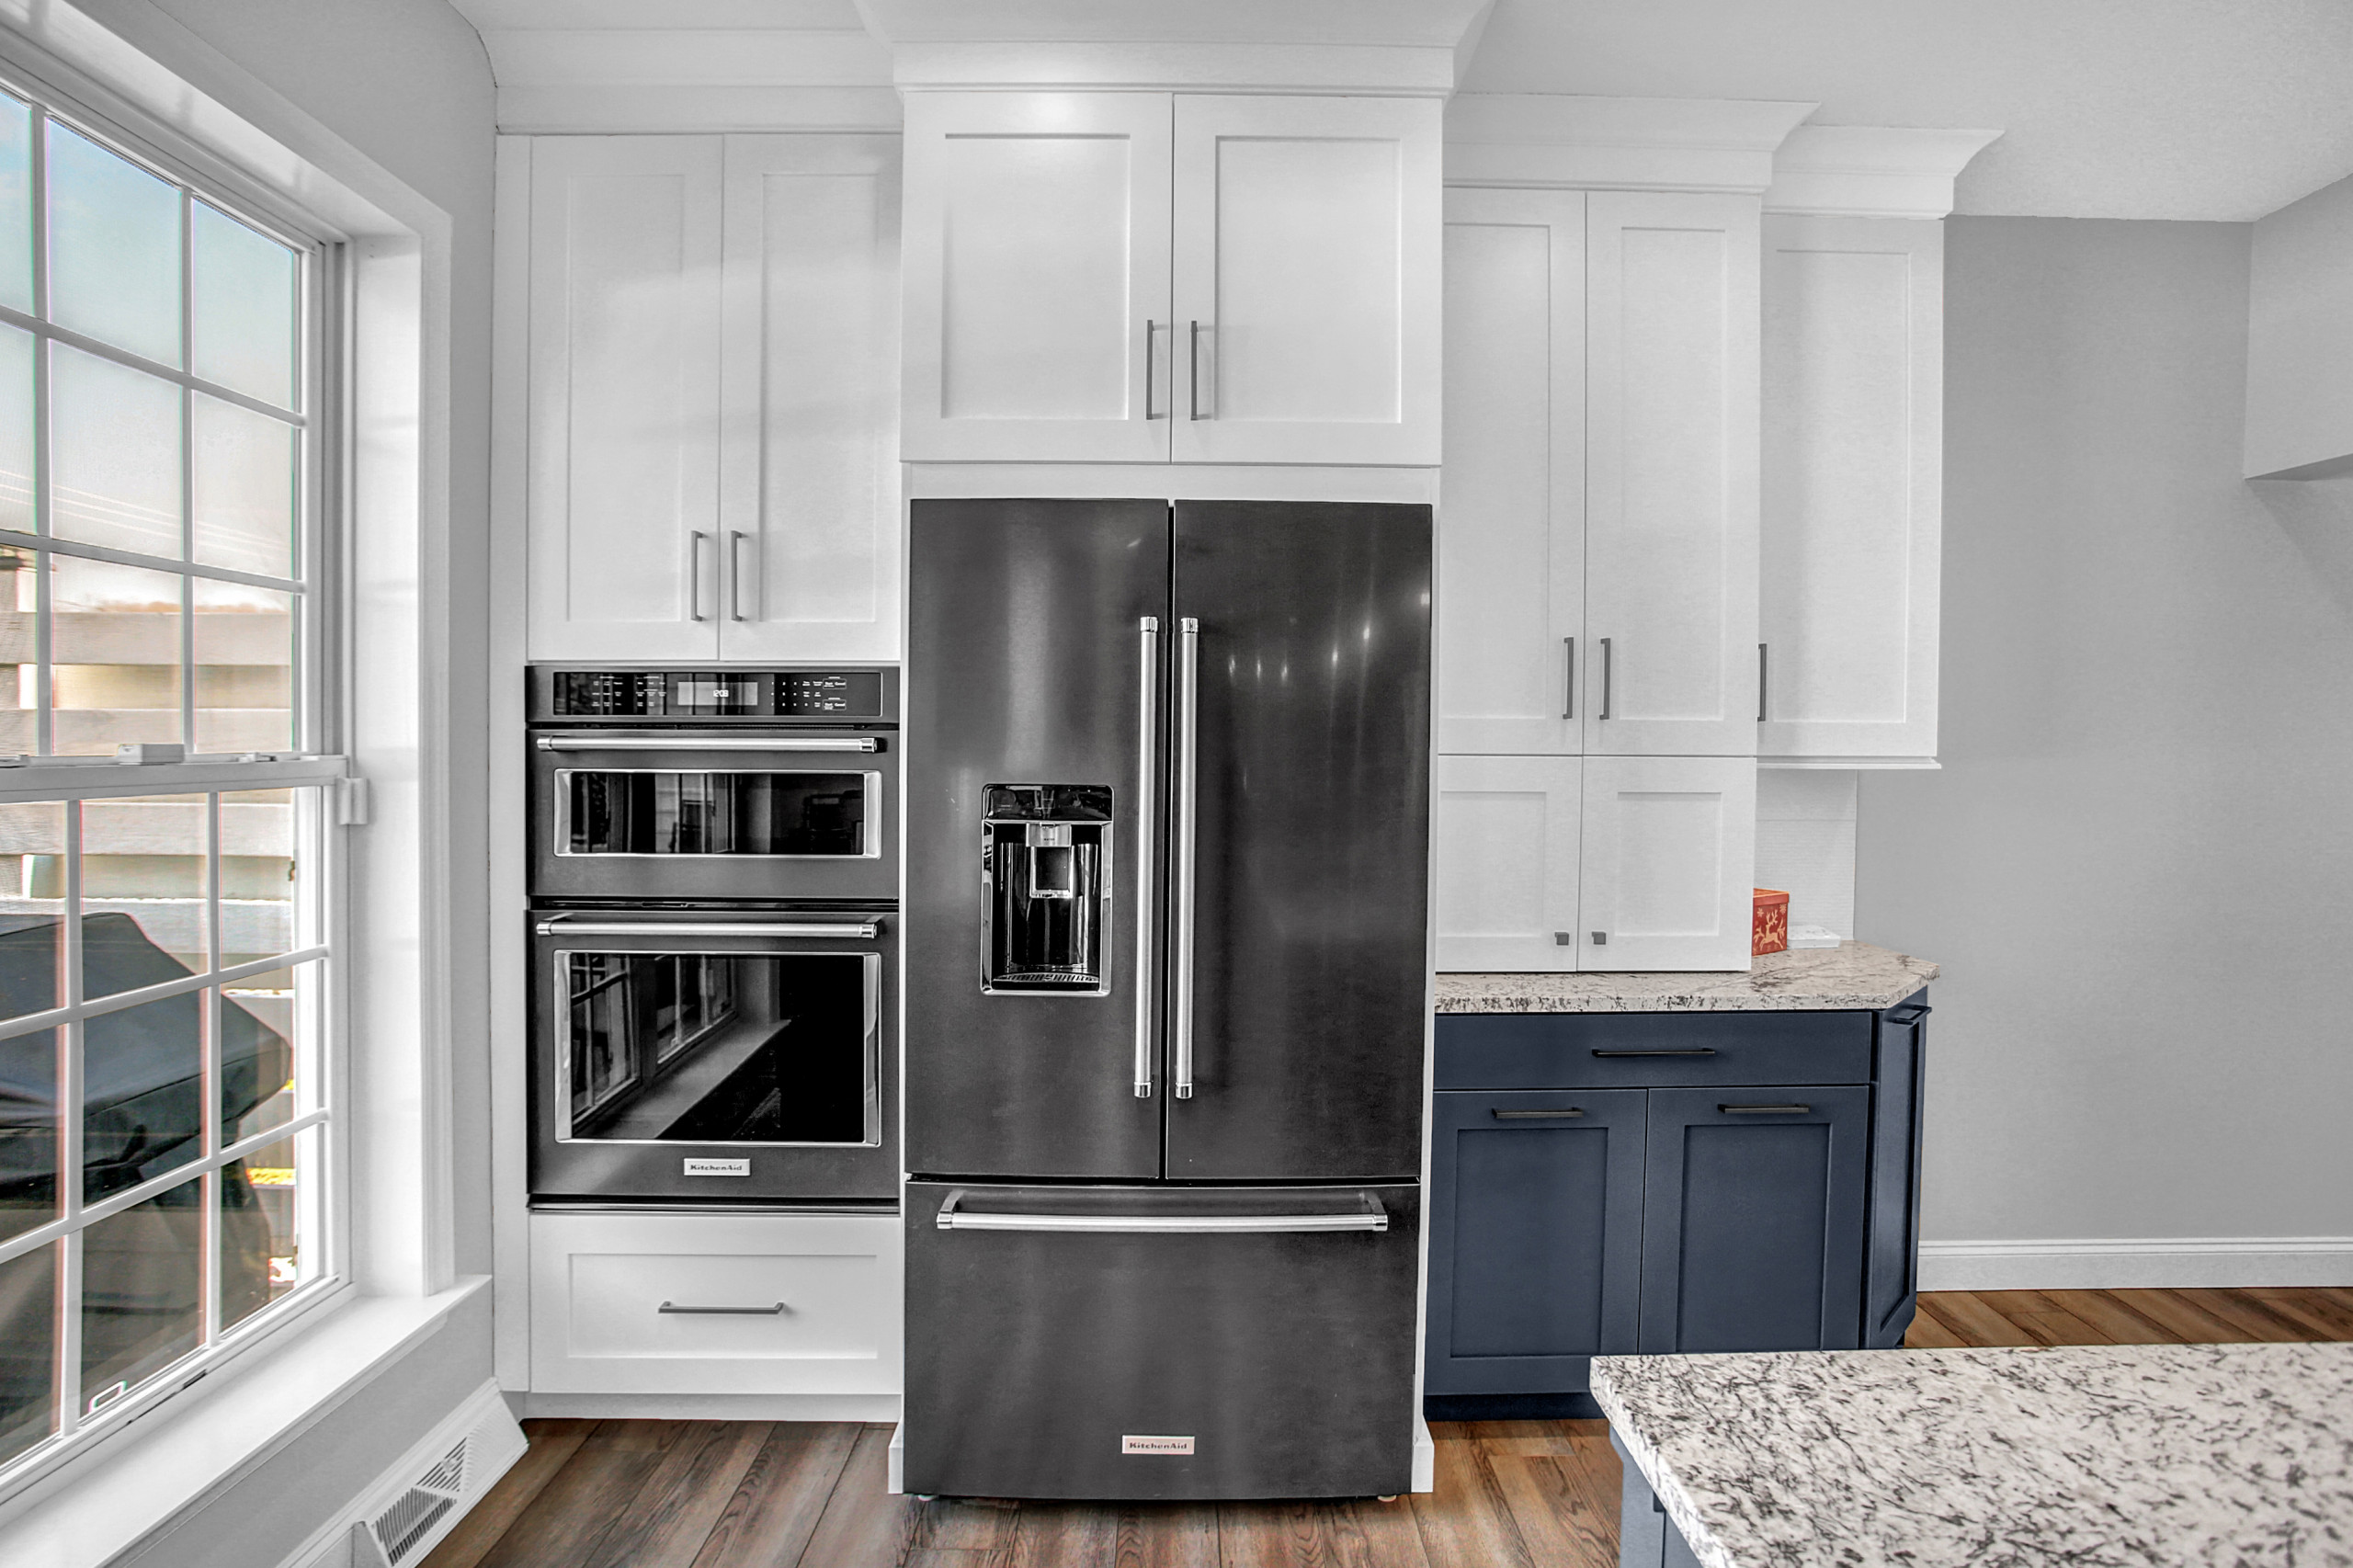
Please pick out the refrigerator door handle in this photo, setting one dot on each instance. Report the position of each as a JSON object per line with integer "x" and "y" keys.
{"x": 1371, "y": 1216}
{"x": 1147, "y": 768}
{"x": 1180, "y": 984}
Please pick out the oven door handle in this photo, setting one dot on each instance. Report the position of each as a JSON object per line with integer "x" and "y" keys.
{"x": 574, "y": 925}
{"x": 706, "y": 743}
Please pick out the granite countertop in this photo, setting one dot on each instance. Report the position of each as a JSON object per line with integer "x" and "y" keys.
{"x": 1851, "y": 975}
{"x": 2094, "y": 1457}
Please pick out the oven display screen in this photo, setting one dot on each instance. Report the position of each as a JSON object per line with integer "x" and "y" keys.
{"x": 715, "y": 694}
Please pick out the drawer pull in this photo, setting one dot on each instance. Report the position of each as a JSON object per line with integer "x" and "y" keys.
{"x": 1370, "y": 1216}
{"x": 767, "y": 1311}
{"x": 1703, "y": 1050}
{"x": 1532, "y": 1115}
{"x": 1765, "y": 1110}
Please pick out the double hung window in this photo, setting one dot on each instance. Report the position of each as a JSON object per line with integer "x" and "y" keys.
{"x": 168, "y": 1105}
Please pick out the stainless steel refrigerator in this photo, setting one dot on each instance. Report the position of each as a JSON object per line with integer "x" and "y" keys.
{"x": 1166, "y": 944}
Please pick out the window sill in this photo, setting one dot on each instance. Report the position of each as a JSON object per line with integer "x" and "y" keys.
{"x": 140, "y": 1482}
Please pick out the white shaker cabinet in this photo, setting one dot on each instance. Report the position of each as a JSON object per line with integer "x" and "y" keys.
{"x": 624, "y": 355}
{"x": 1664, "y": 876}
{"x": 1507, "y": 833}
{"x": 1671, "y": 473}
{"x": 1113, "y": 277}
{"x": 1305, "y": 278}
{"x": 711, "y": 364}
{"x": 1853, "y": 376}
{"x": 1511, "y": 535}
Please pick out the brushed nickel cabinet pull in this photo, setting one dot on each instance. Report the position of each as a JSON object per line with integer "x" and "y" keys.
{"x": 1150, "y": 330}
{"x": 1533, "y": 1115}
{"x": 1760, "y": 682}
{"x": 1569, "y": 679}
{"x": 1703, "y": 1050}
{"x": 1608, "y": 669}
{"x": 774, "y": 1309}
{"x": 1765, "y": 1110}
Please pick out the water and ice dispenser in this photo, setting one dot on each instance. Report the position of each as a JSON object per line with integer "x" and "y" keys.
{"x": 1046, "y": 862}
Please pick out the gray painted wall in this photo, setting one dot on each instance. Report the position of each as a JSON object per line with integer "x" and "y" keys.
{"x": 2134, "y": 864}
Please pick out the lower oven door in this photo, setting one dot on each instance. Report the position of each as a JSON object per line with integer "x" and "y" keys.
{"x": 734, "y": 1056}
{"x": 685, "y": 814}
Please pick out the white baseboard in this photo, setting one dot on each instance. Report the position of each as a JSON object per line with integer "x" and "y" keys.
{"x": 1425, "y": 1458}
{"x": 2137, "y": 1263}
{"x": 866, "y": 1407}
{"x": 495, "y": 1443}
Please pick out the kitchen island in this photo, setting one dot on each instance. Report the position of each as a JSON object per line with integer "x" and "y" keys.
{"x": 2092, "y": 1456}
{"x": 1852, "y": 975}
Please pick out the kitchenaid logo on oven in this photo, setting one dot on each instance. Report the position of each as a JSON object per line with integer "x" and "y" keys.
{"x": 1134, "y": 1444}
{"x": 719, "y": 1167}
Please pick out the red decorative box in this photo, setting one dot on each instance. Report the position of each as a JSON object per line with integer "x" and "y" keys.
{"x": 1770, "y": 931}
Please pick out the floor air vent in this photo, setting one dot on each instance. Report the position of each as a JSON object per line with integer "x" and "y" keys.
{"x": 409, "y": 1522}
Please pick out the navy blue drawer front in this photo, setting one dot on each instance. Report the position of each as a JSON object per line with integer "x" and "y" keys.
{"x": 1609, "y": 1050}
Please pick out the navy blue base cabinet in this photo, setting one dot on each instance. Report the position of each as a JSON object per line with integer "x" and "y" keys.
{"x": 1606, "y": 1183}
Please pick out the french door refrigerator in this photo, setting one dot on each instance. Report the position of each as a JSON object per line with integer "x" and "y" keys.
{"x": 1165, "y": 943}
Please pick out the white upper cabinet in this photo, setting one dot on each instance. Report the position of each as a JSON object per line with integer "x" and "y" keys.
{"x": 1671, "y": 473}
{"x": 1037, "y": 277}
{"x": 624, "y": 397}
{"x": 1853, "y": 369}
{"x": 1306, "y": 280}
{"x": 809, "y": 452}
{"x": 1669, "y": 856}
{"x": 1147, "y": 277}
{"x": 1511, "y": 535}
{"x": 1508, "y": 836}
{"x": 712, "y": 372}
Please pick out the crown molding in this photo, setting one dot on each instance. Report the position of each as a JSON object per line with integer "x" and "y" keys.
{"x": 1598, "y": 144}
{"x": 614, "y": 110}
{"x": 1870, "y": 170}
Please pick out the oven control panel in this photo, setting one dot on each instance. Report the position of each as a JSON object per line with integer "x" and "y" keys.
{"x": 836, "y": 697}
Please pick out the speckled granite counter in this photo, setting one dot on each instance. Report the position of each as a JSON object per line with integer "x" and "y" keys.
{"x": 1851, "y": 975}
{"x": 2094, "y": 1457}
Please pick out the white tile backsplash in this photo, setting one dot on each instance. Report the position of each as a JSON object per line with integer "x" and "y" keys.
{"x": 1805, "y": 843}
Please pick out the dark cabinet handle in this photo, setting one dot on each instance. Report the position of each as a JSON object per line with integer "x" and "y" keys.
{"x": 1532, "y": 1115}
{"x": 1764, "y": 1109}
{"x": 1702, "y": 1052}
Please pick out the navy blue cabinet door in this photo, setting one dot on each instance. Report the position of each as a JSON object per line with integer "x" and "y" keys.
{"x": 1536, "y": 1236}
{"x": 1892, "y": 1261}
{"x": 1753, "y": 1219}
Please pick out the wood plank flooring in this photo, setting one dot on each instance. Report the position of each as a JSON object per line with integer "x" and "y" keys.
{"x": 1510, "y": 1493}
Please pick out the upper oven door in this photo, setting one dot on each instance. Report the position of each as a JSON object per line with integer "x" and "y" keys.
{"x": 687, "y": 814}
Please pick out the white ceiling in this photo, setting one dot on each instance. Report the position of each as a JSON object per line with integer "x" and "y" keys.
{"x": 2222, "y": 109}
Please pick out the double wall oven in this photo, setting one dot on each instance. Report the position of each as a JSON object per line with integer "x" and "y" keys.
{"x": 713, "y": 881}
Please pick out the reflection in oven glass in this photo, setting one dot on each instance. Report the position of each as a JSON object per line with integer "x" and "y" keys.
{"x": 717, "y": 813}
{"x": 717, "y": 1048}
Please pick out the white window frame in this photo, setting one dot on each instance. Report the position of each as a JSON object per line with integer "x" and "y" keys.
{"x": 317, "y": 699}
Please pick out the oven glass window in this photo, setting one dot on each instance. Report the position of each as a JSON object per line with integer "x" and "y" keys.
{"x": 717, "y": 1048}
{"x": 621, "y": 812}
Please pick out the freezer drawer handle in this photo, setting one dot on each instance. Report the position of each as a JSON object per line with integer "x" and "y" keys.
{"x": 1534, "y": 1115}
{"x": 1703, "y": 1050}
{"x": 708, "y": 743}
{"x": 1765, "y": 1110}
{"x": 568, "y": 926}
{"x": 1372, "y": 1218}
{"x": 767, "y": 1311}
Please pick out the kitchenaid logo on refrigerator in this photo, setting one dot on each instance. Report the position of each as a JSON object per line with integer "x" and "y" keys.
{"x": 719, "y": 1167}
{"x": 1133, "y": 1445}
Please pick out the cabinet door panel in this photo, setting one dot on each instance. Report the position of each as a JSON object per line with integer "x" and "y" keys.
{"x": 1535, "y": 1237}
{"x": 1508, "y": 848}
{"x": 624, "y": 397}
{"x": 808, "y": 446}
{"x": 1307, "y": 249}
{"x": 1037, "y": 257}
{"x": 1854, "y": 373}
{"x": 1670, "y": 849}
{"x": 1511, "y": 534}
{"x": 1753, "y": 1219}
{"x": 1671, "y": 473}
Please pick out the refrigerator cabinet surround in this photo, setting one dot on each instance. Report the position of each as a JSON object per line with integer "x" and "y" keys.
{"x": 1270, "y": 1356}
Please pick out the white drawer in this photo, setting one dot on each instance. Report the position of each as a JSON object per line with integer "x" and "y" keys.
{"x": 822, "y": 1293}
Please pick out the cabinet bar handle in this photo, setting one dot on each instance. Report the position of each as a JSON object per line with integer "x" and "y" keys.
{"x": 735, "y": 573}
{"x": 1533, "y": 1115}
{"x": 1760, "y": 682}
{"x": 1764, "y": 1109}
{"x": 694, "y": 574}
{"x": 1193, "y": 374}
{"x": 1608, "y": 669}
{"x": 1150, "y": 329}
{"x": 1703, "y": 1050}
{"x": 1147, "y": 808}
{"x": 767, "y": 1311}
{"x": 1569, "y": 679}
{"x": 1188, "y": 759}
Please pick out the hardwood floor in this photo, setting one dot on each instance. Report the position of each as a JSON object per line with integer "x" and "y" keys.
{"x": 1510, "y": 1493}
